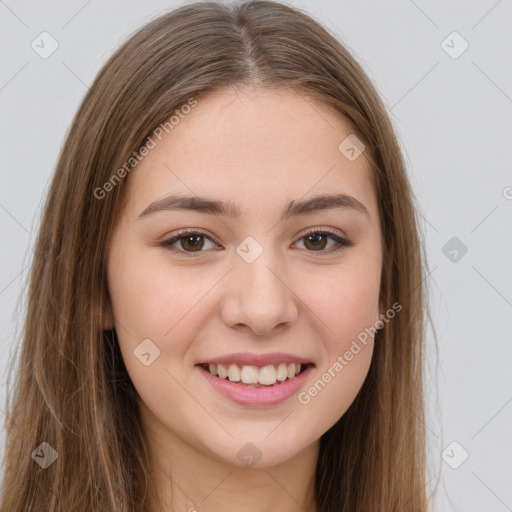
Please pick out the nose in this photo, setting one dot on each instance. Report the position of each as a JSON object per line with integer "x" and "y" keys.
{"x": 258, "y": 298}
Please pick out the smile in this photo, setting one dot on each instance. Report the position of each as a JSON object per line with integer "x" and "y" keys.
{"x": 255, "y": 381}
{"x": 253, "y": 375}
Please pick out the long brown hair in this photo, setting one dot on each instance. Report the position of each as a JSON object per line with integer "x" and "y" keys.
{"x": 71, "y": 388}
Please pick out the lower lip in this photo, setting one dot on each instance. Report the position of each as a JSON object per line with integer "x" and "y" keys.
{"x": 253, "y": 396}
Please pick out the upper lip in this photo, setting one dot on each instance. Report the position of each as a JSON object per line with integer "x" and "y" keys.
{"x": 245, "y": 359}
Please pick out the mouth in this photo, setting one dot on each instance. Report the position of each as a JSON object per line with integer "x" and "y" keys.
{"x": 252, "y": 376}
{"x": 256, "y": 380}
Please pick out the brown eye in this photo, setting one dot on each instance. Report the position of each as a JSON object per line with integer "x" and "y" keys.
{"x": 191, "y": 243}
{"x": 317, "y": 241}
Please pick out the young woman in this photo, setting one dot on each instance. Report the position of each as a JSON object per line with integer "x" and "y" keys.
{"x": 226, "y": 305}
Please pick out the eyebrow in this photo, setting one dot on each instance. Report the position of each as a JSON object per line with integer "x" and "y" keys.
{"x": 231, "y": 210}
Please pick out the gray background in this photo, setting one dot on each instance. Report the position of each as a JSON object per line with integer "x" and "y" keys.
{"x": 453, "y": 117}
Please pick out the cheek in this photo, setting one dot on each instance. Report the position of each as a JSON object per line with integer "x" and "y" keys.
{"x": 345, "y": 307}
{"x": 346, "y": 301}
{"x": 152, "y": 303}
{"x": 352, "y": 308}
{"x": 353, "y": 320}
{"x": 148, "y": 299}
{"x": 335, "y": 386}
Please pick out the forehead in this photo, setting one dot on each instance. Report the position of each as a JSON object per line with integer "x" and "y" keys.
{"x": 255, "y": 146}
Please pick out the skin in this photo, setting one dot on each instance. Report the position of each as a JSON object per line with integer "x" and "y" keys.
{"x": 259, "y": 149}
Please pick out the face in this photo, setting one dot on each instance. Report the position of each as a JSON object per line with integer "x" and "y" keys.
{"x": 253, "y": 288}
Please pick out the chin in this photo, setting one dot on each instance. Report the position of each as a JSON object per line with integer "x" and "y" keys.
{"x": 260, "y": 452}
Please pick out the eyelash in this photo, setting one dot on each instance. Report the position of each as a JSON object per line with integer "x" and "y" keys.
{"x": 167, "y": 244}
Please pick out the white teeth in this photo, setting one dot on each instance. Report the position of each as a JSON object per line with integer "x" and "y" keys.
{"x": 223, "y": 373}
{"x": 282, "y": 372}
{"x": 234, "y": 373}
{"x": 249, "y": 374}
{"x": 267, "y": 375}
